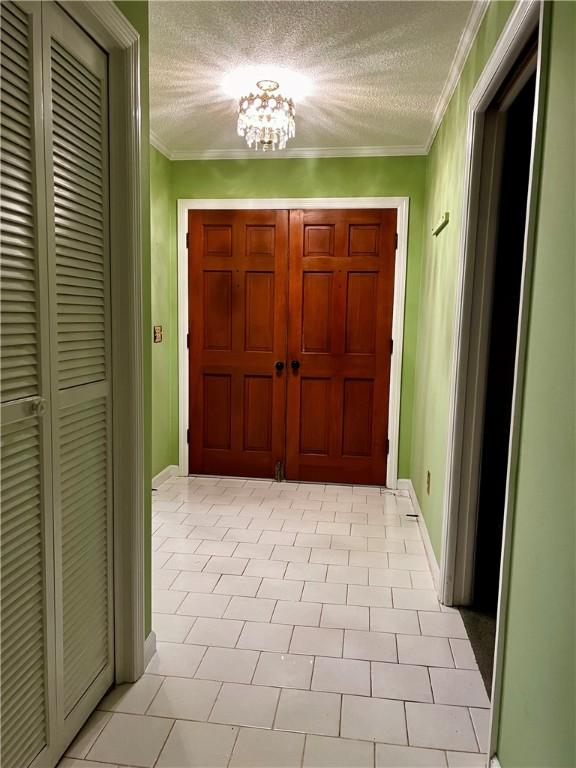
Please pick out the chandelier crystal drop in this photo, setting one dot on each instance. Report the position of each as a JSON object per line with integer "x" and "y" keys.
{"x": 266, "y": 119}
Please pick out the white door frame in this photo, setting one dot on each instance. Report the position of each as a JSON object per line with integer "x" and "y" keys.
{"x": 401, "y": 204}
{"x": 468, "y": 362}
{"x": 114, "y": 33}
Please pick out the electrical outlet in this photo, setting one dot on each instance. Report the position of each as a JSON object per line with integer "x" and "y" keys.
{"x": 428, "y": 482}
{"x": 157, "y": 334}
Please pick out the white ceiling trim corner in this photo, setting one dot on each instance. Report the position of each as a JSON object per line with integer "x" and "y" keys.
{"x": 158, "y": 144}
{"x": 467, "y": 39}
{"x": 301, "y": 152}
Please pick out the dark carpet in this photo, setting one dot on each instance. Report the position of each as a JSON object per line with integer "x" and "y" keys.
{"x": 481, "y": 628}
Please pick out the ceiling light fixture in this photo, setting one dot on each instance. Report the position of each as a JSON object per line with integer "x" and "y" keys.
{"x": 266, "y": 118}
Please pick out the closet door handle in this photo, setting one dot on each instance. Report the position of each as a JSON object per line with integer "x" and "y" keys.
{"x": 39, "y": 406}
{"x": 279, "y": 365}
{"x": 295, "y": 364}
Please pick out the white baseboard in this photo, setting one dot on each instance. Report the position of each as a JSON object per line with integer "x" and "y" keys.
{"x": 165, "y": 474}
{"x": 149, "y": 648}
{"x": 406, "y": 485}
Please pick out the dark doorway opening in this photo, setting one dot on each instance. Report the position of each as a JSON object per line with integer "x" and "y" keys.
{"x": 513, "y": 108}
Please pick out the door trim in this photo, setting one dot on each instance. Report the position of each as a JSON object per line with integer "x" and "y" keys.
{"x": 401, "y": 204}
{"x": 114, "y": 33}
{"x": 525, "y": 18}
{"x": 468, "y": 364}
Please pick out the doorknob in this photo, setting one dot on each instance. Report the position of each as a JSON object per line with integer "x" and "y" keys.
{"x": 295, "y": 364}
{"x": 39, "y": 406}
{"x": 279, "y": 365}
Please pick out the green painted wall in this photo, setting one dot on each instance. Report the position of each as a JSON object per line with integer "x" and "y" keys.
{"x": 538, "y": 697}
{"x": 328, "y": 177}
{"x": 164, "y": 292}
{"x": 538, "y": 716}
{"x": 137, "y": 14}
{"x": 444, "y": 192}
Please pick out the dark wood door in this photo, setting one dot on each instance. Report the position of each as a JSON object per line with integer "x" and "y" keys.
{"x": 238, "y": 325}
{"x": 339, "y": 344}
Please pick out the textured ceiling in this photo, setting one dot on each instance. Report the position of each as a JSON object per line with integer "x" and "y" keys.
{"x": 379, "y": 70}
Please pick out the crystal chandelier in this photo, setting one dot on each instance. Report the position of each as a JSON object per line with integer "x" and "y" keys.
{"x": 266, "y": 119}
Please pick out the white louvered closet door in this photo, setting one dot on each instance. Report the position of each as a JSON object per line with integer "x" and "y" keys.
{"x": 76, "y": 96}
{"x": 27, "y": 626}
{"x": 57, "y": 652}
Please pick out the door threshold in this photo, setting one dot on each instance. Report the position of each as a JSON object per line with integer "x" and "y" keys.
{"x": 383, "y": 488}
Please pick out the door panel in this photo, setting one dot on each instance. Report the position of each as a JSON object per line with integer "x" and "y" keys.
{"x": 340, "y": 330}
{"x": 317, "y": 304}
{"x": 314, "y": 415}
{"x": 24, "y": 690}
{"x": 237, "y": 322}
{"x": 257, "y": 413}
{"x": 75, "y": 73}
{"x": 357, "y": 411}
{"x": 218, "y": 310}
{"x": 361, "y": 296}
{"x": 259, "y": 312}
{"x": 26, "y": 620}
{"x": 217, "y": 411}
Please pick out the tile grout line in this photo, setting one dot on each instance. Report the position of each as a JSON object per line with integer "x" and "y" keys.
{"x": 220, "y": 689}
{"x": 165, "y": 742}
{"x": 233, "y": 746}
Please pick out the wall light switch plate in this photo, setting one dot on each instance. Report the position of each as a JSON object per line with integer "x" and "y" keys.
{"x": 157, "y": 334}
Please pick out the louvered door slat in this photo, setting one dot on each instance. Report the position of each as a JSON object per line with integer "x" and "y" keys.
{"x": 82, "y": 195}
{"x": 19, "y": 594}
{"x": 15, "y": 171}
{"x": 13, "y": 35}
{"x": 84, "y": 546}
{"x": 20, "y": 374}
{"x": 75, "y": 216}
{"x": 26, "y": 454}
{"x": 77, "y": 147}
{"x": 77, "y": 171}
{"x": 77, "y": 94}
{"x": 23, "y": 699}
{"x": 79, "y": 464}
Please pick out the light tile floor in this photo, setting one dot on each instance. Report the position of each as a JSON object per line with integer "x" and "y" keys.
{"x": 296, "y": 625}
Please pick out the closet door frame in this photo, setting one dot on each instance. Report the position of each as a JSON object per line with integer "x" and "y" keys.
{"x": 116, "y": 36}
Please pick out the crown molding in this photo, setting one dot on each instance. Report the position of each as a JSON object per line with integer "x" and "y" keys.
{"x": 475, "y": 17}
{"x": 158, "y": 144}
{"x": 286, "y": 154}
{"x": 107, "y": 23}
{"x": 115, "y": 21}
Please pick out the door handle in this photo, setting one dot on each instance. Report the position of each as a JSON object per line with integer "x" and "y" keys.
{"x": 39, "y": 406}
{"x": 279, "y": 365}
{"x": 295, "y": 364}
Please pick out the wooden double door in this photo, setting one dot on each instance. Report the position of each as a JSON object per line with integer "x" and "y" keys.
{"x": 290, "y": 342}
